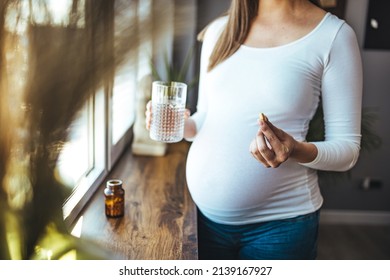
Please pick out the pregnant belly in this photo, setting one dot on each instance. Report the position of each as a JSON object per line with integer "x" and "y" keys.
{"x": 227, "y": 178}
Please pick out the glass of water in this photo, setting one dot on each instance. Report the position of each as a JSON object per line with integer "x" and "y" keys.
{"x": 168, "y": 108}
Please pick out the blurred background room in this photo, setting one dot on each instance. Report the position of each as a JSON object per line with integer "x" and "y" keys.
{"x": 74, "y": 79}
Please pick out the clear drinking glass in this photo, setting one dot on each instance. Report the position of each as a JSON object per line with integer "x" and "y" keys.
{"x": 168, "y": 108}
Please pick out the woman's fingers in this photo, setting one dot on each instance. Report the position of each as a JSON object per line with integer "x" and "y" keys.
{"x": 187, "y": 113}
{"x": 280, "y": 151}
{"x": 271, "y": 146}
{"x": 255, "y": 150}
{"x": 148, "y": 115}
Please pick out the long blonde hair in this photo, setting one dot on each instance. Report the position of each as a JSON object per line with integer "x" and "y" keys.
{"x": 240, "y": 15}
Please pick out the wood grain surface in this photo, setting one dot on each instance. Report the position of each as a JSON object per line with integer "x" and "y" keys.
{"x": 160, "y": 217}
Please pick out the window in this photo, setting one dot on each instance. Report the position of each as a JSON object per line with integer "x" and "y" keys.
{"x": 82, "y": 163}
{"x": 104, "y": 128}
{"x": 81, "y": 136}
{"x": 124, "y": 86}
{"x": 108, "y": 117}
{"x": 105, "y": 32}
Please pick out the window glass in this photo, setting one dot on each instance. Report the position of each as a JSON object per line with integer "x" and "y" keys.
{"x": 94, "y": 153}
{"x": 123, "y": 101}
{"x": 124, "y": 86}
{"x": 76, "y": 158}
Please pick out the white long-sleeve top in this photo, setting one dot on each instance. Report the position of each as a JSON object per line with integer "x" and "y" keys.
{"x": 285, "y": 83}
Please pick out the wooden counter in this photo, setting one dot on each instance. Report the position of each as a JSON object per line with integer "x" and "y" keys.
{"x": 160, "y": 217}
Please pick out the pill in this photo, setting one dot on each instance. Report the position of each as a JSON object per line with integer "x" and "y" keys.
{"x": 263, "y": 117}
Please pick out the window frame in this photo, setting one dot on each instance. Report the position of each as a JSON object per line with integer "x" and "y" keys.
{"x": 88, "y": 184}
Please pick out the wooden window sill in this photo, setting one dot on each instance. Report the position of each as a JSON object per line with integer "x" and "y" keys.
{"x": 160, "y": 216}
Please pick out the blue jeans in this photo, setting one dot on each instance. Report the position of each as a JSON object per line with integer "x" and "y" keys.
{"x": 287, "y": 239}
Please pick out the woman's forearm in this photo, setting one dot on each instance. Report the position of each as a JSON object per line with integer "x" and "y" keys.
{"x": 304, "y": 152}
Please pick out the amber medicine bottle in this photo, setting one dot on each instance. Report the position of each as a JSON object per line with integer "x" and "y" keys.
{"x": 114, "y": 199}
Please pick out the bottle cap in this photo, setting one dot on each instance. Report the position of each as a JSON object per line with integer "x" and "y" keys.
{"x": 114, "y": 183}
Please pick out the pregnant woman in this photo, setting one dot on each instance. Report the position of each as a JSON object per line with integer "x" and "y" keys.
{"x": 254, "y": 179}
